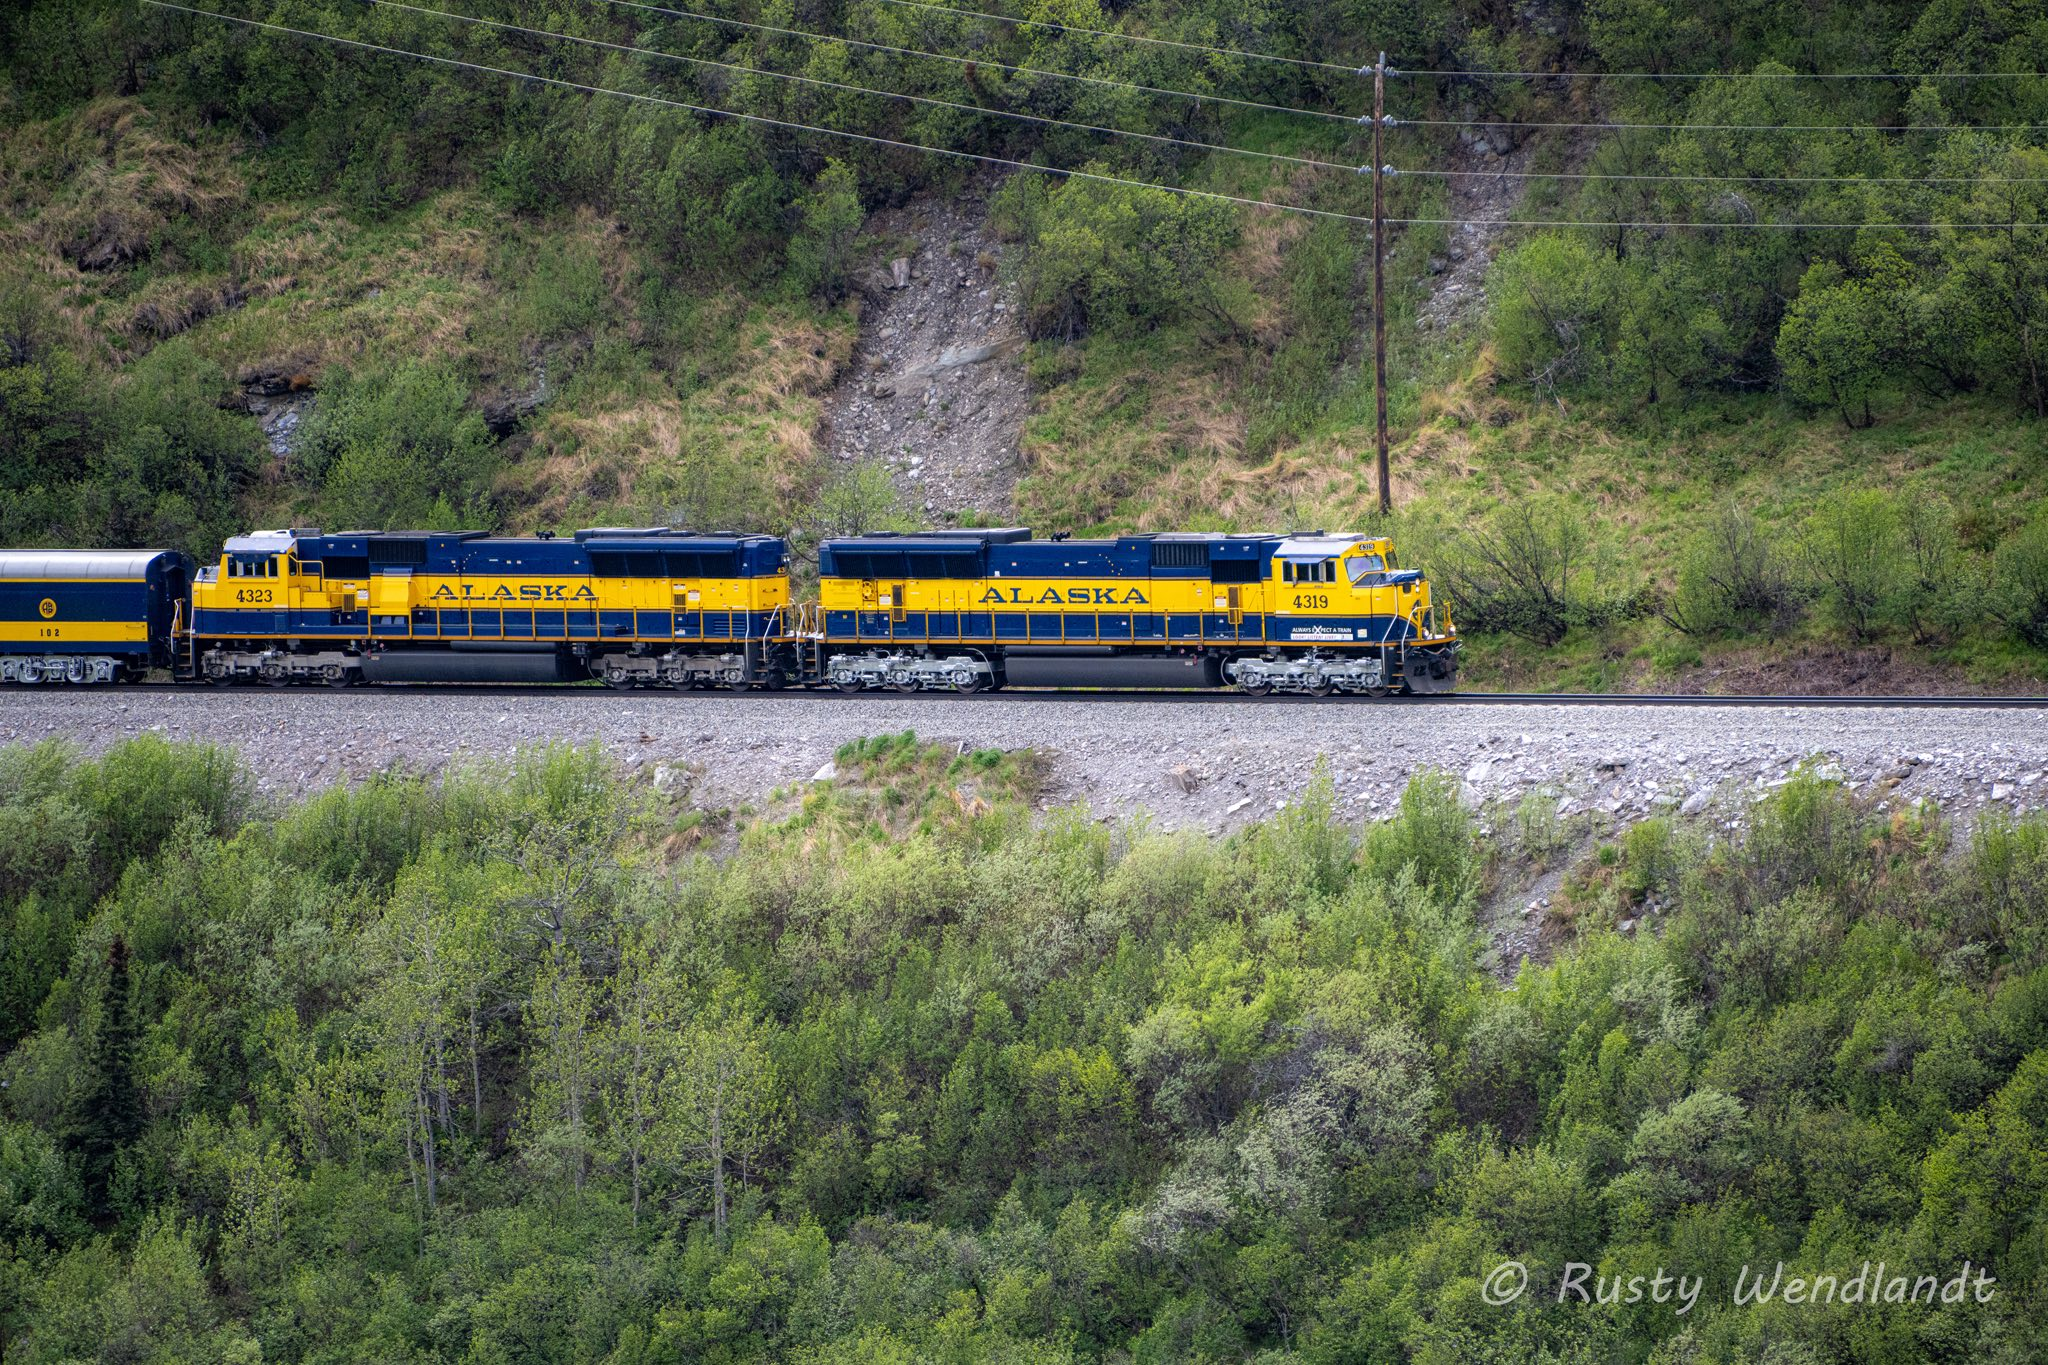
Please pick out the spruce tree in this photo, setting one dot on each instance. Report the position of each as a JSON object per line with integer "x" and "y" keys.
{"x": 113, "y": 1111}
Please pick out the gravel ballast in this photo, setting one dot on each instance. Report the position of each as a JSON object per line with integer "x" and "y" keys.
{"x": 1204, "y": 764}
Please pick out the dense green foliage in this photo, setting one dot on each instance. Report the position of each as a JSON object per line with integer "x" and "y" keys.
{"x": 534, "y": 1065}
{"x": 1867, "y": 564}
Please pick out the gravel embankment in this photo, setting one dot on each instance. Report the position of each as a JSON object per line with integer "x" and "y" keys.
{"x": 1207, "y": 765}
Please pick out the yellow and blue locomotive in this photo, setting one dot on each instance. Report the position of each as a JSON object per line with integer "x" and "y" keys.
{"x": 1305, "y": 613}
{"x": 629, "y": 606}
{"x": 655, "y": 606}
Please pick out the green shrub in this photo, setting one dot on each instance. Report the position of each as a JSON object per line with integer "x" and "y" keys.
{"x": 1433, "y": 834}
{"x": 565, "y": 294}
{"x": 398, "y": 447}
{"x": 141, "y": 789}
{"x": 1850, "y": 551}
{"x": 1539, "y": 831}
{"x": 828, "y": 221}
{"x": 1556, "y": 311}
{"x": 1649, "y": 859}
{"x": 1732, "y": 578}
{"x": 1523, "y": 569}
{"x": 1808, "y": 833}
{"x": 1829, "y": 343}
{"x": 2007, "y": 881}
{"x": 1937, "y": 595}
{"x": 2019, "y": 593}
{"x": 1118, "y": 258}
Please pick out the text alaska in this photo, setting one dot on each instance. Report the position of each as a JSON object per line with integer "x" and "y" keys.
{"x": 505, "y": 592}
{"x": 1071, "y": 597}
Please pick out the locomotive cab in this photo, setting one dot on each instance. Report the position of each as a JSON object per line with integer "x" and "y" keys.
{"x": 1341, "y": 575}
{"x": 1345, "y": 614}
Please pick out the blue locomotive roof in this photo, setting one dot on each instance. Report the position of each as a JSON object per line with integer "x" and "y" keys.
{"x": 654, "y": 552}
{"x": 1011, "y": 552}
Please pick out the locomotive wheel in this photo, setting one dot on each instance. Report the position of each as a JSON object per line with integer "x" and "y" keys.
{"x": 1375, "y": 692}
{"x": 967, "y": 683}
{"x": 618, "y": 678}
{"x": 849, "y": 685}
{"x": 1321, "y": 689}
{"x": 907, "y": 685}
{"x": 1257, "y": 689}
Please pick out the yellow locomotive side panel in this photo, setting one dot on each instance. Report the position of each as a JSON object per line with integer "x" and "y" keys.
{"x": 292, "y": 589}
{"x": 1054, "y": 596}
{"x": 588, "y": 593}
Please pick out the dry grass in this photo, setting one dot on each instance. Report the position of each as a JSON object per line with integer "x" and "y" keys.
{"x": 99, "y": 189}
{"x": 787, "y": 359}
{"x": 758, "y": 422}
{"x": 592, "y": 459}
{"x": 121, "y": 183}
{"x": 1259, "y": 260}
{"x": 795, "y": 437}
{"x": 335, "y": 293}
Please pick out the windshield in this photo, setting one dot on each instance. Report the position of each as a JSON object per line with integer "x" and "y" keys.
{"x": 1359, "y": 566}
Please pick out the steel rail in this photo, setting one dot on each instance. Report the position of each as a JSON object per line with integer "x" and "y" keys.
{"x": 592, "y": 691}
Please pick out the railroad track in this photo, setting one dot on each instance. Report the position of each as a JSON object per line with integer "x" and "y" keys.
{"x": 595, "y": 693}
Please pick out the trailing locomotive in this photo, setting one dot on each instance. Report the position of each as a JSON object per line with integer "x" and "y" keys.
{"x": 650, "y": 605}
{"x": 655, "y": 606}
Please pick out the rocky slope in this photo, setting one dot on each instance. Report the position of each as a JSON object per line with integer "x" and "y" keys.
{"x": 936, "y": 392}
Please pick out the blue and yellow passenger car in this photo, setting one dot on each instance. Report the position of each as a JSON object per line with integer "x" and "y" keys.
{"x": 646, "y": 605}
{"x": 88, "y": 616}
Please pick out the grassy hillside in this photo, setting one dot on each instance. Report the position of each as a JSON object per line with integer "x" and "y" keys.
{"x": 453, "y": 361}
{"x": 377, "y": 293}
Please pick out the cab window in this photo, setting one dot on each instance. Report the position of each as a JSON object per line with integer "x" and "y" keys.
{"x": 1321, "y": 571}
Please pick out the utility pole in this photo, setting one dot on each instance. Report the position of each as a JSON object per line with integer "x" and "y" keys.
{"x": 1379, "y": 281}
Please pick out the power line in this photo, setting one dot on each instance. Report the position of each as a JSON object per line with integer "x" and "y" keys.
{"x": 1707, "y": 227}
{"x": 867, "y": 90}
{"x": 984, "y": 158}
{"x": 755, "y": 118}
{"x": 1737, "y": 127}
{"x": 1124, "y": 37}
{"x": 1193, "y": 143}
{"x": 1714, "y": 75}
{"x": 1728, "y": 179}
{"x": 978, "y": 62}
